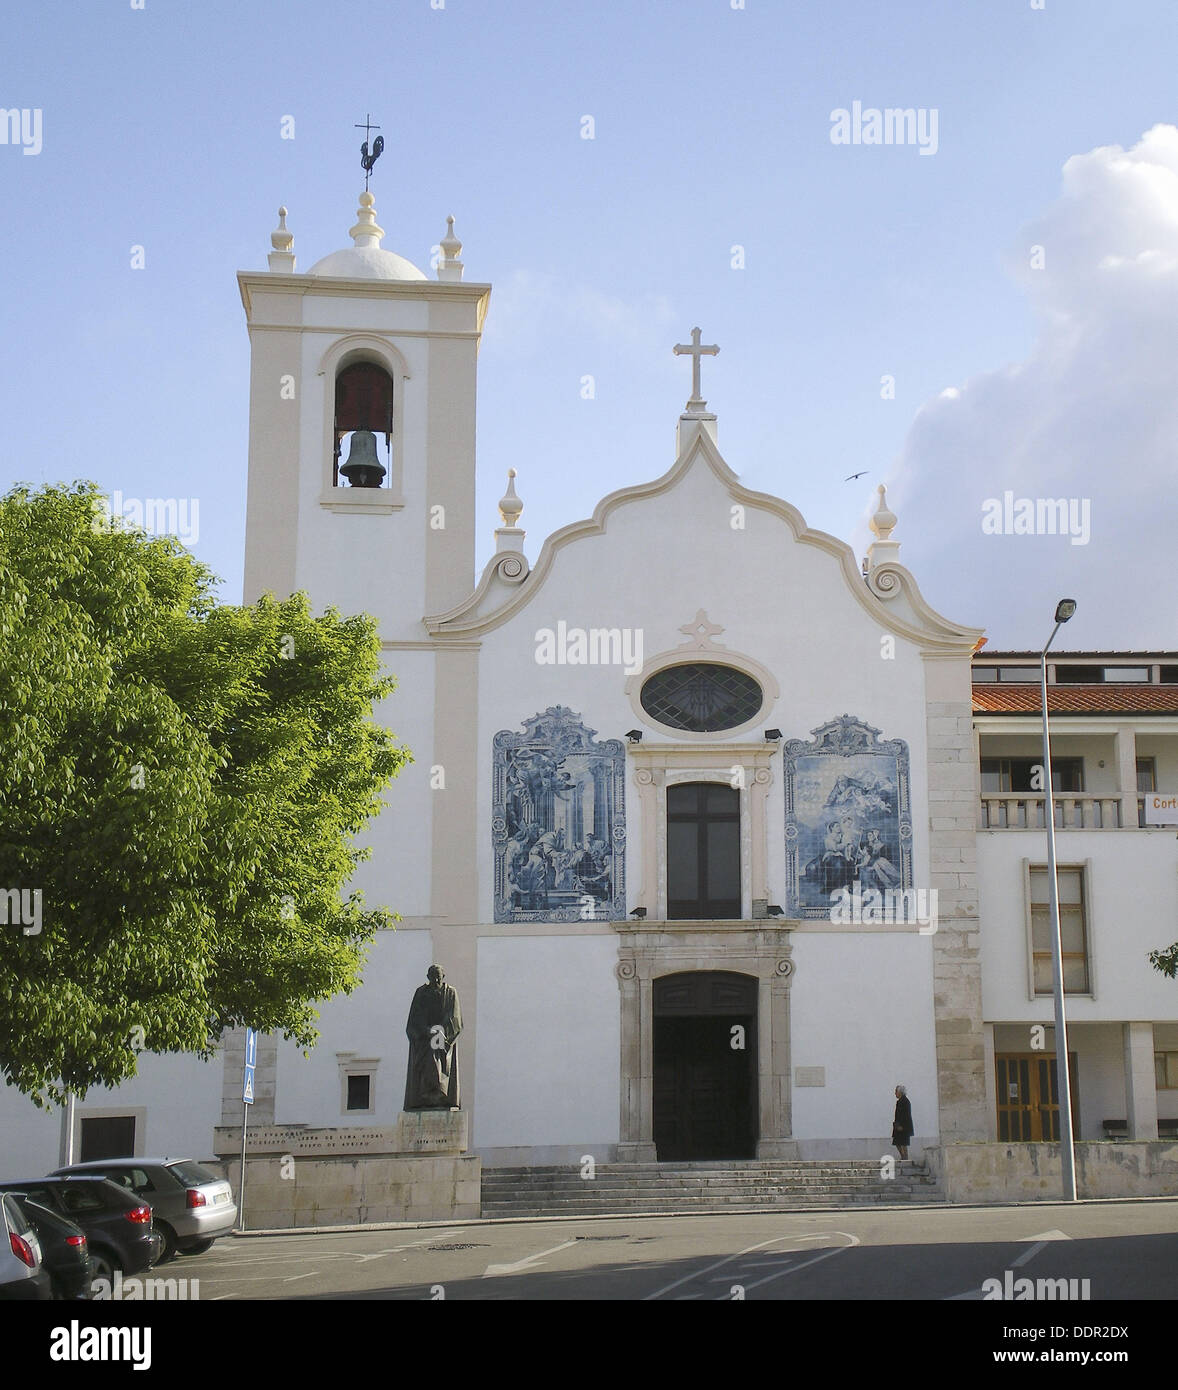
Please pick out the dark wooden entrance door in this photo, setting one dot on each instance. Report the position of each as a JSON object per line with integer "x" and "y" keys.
{"x": 705, "y": 1072}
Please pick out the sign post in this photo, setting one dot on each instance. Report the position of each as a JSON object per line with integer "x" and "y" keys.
{"x": 247, "y": 1099}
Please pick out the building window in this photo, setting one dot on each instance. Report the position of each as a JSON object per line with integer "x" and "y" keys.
{"x": 1147, "y": 781}
{"x": 1073, "y": 929}
{"x": 107, "y": 1136}
{"x": 357, "y": 1078}
{"x": 1166, "y": 1070}
{"x": 1009, "y": 675}
{"x": 702, "y": 697}
{"x": 703, "y": 851}
{"x": 1016, "y": 774}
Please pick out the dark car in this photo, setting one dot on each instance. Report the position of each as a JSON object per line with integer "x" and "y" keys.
{"x": 116, "y": 1223}
{"x": 64, "y": 1249}
{"x": 190, "y": 1205}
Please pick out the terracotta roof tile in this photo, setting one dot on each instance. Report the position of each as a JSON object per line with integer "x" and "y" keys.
{"x": 1076, "y": 699}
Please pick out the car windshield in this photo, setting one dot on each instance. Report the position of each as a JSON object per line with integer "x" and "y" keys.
{"x": 191, "y": 1174}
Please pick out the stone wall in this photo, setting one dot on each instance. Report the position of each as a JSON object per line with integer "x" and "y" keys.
{"x": 283, "y": 1193}
{"x": 957, "y": 969}
{"x": 416, "y": 1170}
{"x": 986, "y": 1173}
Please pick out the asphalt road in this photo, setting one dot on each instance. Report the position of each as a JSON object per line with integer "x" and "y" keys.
{"x": 1126, "y": 1250}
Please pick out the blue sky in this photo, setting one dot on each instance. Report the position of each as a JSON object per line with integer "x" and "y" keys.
{"x": 161, "y": 128}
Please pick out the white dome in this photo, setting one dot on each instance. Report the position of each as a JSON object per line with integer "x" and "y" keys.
{"x": 367, "y": 263}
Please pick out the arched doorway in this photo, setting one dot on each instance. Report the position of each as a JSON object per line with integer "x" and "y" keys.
{"x": 705, "y": 1066}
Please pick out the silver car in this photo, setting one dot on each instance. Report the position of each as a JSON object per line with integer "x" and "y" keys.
{"x": 190, "y": 1205}
{"x": 22, "y": 1266}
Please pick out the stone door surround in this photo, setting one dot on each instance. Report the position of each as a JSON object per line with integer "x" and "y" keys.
{"x": 648, "y": 950}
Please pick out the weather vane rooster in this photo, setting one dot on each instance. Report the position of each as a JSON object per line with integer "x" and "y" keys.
{"x": 367, "y": 160}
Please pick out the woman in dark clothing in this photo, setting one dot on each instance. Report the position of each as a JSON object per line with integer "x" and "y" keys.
{"x": 902, "y": 1130}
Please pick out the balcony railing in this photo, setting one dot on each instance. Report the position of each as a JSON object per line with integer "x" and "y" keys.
{"x": 1073, "y": 811}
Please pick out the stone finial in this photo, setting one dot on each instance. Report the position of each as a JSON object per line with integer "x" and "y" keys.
{"x": 883, "y": 521}
{"x": 282, "y": 257}
{"x": 366, "y": 232}
{"x": 881, "y": 566}
{"x": 510, "y": 536}
{"x": 450, "y": 267}
{"x": 510, "y": 506}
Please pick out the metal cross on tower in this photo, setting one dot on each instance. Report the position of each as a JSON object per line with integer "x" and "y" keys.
{"x": 695, "y": 351}
{"x": 368, "y": 160}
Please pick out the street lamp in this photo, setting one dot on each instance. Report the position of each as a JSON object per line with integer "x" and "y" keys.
{"x": 1064, "y": 610}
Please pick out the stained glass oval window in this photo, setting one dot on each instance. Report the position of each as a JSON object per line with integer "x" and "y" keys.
{"x": 701, "y": 697}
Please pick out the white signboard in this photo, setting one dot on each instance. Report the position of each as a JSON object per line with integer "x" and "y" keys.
{"x": 1161, "y": 808}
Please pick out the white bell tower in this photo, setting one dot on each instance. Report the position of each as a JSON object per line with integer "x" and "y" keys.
{"x": 362, "y": 428}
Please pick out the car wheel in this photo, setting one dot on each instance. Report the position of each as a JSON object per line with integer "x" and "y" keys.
{"x": 169, "y": 1238}
{"x": 102, "y": 1267}
{"x": 198, "y": 1249}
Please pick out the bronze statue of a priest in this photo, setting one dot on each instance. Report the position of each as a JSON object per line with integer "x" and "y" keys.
{"x": 435, "y": 1021}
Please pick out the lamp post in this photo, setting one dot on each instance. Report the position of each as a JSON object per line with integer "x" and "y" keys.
{"x": 1064, "y": 610}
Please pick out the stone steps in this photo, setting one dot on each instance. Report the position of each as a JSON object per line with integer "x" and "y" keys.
{"x": 665, "y": 1188}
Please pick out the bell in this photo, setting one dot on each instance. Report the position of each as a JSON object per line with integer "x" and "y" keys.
{"x": 363, "y": 468}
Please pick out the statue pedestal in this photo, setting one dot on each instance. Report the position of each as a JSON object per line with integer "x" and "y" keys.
{"x": 432, "y": 1132}
{"x": 416, "y": 1170}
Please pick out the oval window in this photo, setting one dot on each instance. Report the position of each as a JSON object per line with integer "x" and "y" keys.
{"x": 701, "y": 697}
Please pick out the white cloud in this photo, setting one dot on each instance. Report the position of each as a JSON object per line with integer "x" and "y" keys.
{"x": 1091, "y": 413}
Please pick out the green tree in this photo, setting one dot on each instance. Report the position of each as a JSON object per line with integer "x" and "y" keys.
{"x": 1166, "y": 961}
{"x": 182, "y": 785}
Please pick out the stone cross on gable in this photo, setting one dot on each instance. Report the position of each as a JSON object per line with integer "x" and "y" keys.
{"x": 695, "y": 351}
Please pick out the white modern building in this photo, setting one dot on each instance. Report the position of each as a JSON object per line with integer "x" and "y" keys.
{"x": 719, "y": 830}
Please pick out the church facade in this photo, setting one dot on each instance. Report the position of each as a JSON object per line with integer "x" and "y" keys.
{"x": 706, "y": 824}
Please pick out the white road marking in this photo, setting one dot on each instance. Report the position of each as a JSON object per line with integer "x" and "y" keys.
{"x": 394, "y": 1250}
{"x": 793, "y": 1269}
{"x": 1029, "y": 1254}
{"x": 290, "y": 1278}
{"x": 1042, "y": 1240}
{"x": 492, "y": 1270}
{"x": 748, "y": 1250}
{"x": 782, "y": 1255}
